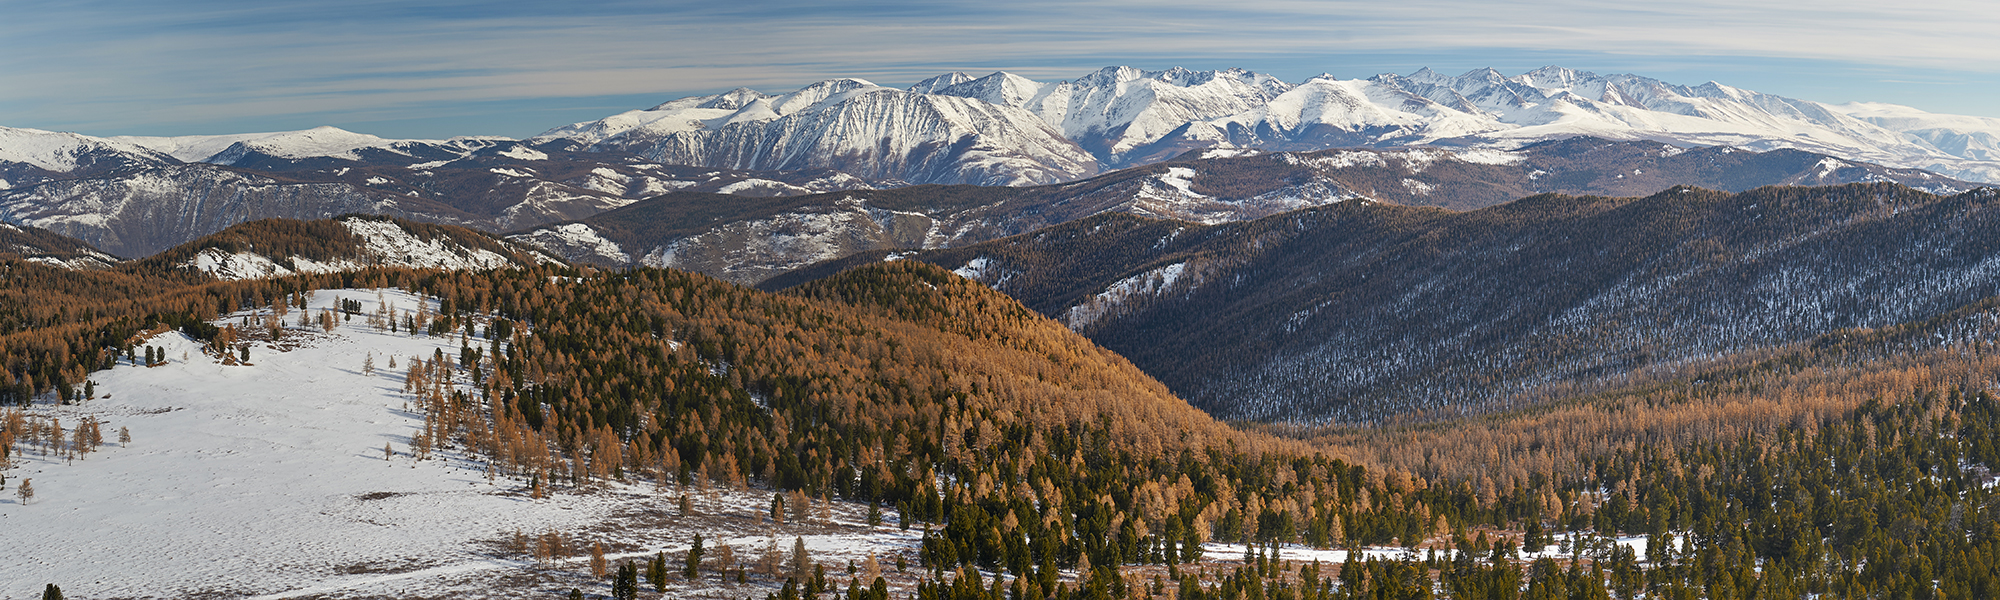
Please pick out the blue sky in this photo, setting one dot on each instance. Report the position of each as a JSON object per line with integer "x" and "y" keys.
{"x": 437, "y": 69}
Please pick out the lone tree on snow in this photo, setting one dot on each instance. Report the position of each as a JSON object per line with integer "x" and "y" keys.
{"x": 693, "y": 568}
{"x": 801, "y": 564}
{"x": 27, "y": 494}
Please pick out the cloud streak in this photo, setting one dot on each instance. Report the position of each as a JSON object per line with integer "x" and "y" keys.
{"x": 126, "y": 65}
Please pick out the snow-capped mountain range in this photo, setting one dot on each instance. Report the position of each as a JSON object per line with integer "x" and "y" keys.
{"x": 1004, "y": 129}
{"x": 1123, "y": 117}
{"x": 133, "y": 196}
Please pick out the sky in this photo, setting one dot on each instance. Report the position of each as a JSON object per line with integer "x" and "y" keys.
{"x": 430, "y": 69}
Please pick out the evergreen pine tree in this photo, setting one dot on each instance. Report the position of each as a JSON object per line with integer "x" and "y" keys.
{"x": 52, "y": 593}
{"x": 693, "y": 567}
{"x": 626, "y": 585}
{"x": 656, "y": 572}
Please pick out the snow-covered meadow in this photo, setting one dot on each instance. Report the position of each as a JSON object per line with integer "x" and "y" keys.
{"x": 269, "y": 480}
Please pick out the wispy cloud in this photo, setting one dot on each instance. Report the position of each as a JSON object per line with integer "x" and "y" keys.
{"x": 128, "y": 64}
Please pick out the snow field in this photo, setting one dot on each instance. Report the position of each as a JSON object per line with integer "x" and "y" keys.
{"x": 269, "y": 481}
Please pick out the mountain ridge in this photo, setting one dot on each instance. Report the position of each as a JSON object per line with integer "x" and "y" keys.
{"x": 1126, "y": 117}
{"x": 746, "y": 241}
{"x": 1354, "y": 311}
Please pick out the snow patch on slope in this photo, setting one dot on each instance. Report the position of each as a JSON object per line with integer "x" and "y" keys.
{"x": 577, "y": 241}
{"x": 1150, "y": 283}
{"x": 524, "y": 153}
{"x": 384, "y": 244}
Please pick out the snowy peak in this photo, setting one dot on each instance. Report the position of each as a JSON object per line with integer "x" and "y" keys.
{"x": 816, "y": 95}
{"x": 1111, "y": 77}
{"x": 1976, "y": 138}
{"x": 849, "y": 125}
{"x": 1123, "y": 116}
{"x": 934, "y": 84}
{"x": 730, "y": 100}
{"x": 316, "y": 142}
{"x": 1001, "y": 87}
{"x": 1553, "y": 78}
{"x": 63, "y": 152}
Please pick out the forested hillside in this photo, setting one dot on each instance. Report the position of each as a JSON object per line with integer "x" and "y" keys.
{"x": 51, "y": 248}
{"x": 1359, "y": 312}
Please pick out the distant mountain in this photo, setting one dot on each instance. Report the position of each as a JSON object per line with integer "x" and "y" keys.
{"x": 749, "y": 240}
{"x": 133, "y": 200}
{"x": 31, "y": 156}
{"x": 278, "y": 247}
{"x": 133, "y": 196}
{"x": 1360, "y": 310}
{"x": 848, "y": 125}
{"x": 1124, "y": 117}
{"x": 1975, "y": 138}
{"x": 51, "y": 248}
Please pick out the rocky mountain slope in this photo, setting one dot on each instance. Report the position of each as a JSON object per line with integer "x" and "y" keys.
{"x": 133, "y": 200}
{"x": 1356, "y": 311}
{"x": 848, "y": 125}
{"x": 749, "y": 240}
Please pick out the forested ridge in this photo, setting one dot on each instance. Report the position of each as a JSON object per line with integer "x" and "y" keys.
{"x": 1361, "y": 312}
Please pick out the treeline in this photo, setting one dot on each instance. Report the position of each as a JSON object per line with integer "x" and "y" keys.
{"x": 57, "y": 324}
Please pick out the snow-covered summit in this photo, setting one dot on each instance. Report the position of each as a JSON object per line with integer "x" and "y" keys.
{"x": 1976, "y": 138}
{"x": 63, "y": 152}
{"x": 323, "y": 141}
{"x": 851, "y": 125}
